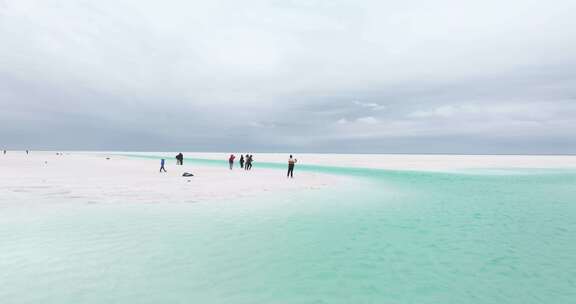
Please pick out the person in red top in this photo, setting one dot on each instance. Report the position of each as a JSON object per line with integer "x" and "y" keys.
{"x": 231, "y": 161}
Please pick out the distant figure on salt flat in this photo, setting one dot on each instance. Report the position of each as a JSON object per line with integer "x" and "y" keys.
{"x": 27, "y": 151}
{"x": 291, "y": 162}
{"x": 162, "y": 162}
{"x": 4, "y": 152}
{"x": 241, "y": 161}
{"x": 249, "y": 162}
{"x": 179, "y": 159}
{"x": 231, "y": 161}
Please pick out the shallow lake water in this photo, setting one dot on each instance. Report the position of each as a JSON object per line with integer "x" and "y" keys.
{"x": 491, "y": 236}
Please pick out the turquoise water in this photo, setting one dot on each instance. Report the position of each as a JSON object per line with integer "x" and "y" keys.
{"x": 503, "y": 236}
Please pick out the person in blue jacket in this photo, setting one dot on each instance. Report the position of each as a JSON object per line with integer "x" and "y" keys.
{"x": 162, "y": 161}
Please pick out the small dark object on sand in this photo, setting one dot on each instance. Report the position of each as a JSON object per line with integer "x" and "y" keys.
{"x": 187, "y": 174}
{"x": 107, "y": 158}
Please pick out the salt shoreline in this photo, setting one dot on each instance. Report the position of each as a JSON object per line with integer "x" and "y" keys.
{"x": 92, "y": 178}
{"x": 432, "y": 162}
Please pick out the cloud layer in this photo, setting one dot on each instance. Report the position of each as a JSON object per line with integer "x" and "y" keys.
{"x": 326, "y": 76}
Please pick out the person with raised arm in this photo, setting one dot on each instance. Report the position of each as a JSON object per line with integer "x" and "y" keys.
{"x": 291, "y": 162}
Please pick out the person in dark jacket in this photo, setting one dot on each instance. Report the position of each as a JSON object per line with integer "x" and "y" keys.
{"x": 179, "y": 159}
{"x": 249, "y": 162}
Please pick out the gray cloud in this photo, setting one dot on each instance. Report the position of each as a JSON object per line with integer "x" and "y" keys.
{"x": 367, "y": 76}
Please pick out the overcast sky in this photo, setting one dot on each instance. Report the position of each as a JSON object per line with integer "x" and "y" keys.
{"x": 443, "y": 76}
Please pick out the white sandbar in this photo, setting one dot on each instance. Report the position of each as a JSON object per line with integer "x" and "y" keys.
{"x": 90, "y": 177}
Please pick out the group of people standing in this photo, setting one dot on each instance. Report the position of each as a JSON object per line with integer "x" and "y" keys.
{"x": 245, "y": 162}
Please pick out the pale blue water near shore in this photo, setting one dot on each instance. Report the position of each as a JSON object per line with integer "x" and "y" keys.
{"x": 500, "y": 236}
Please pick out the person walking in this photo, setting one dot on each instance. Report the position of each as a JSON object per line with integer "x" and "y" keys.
{"x": 162, "y": 162}
{"x": 291, "y": 162}
{"x": 241, "y": 161}
{"x": 231, "y": 161}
